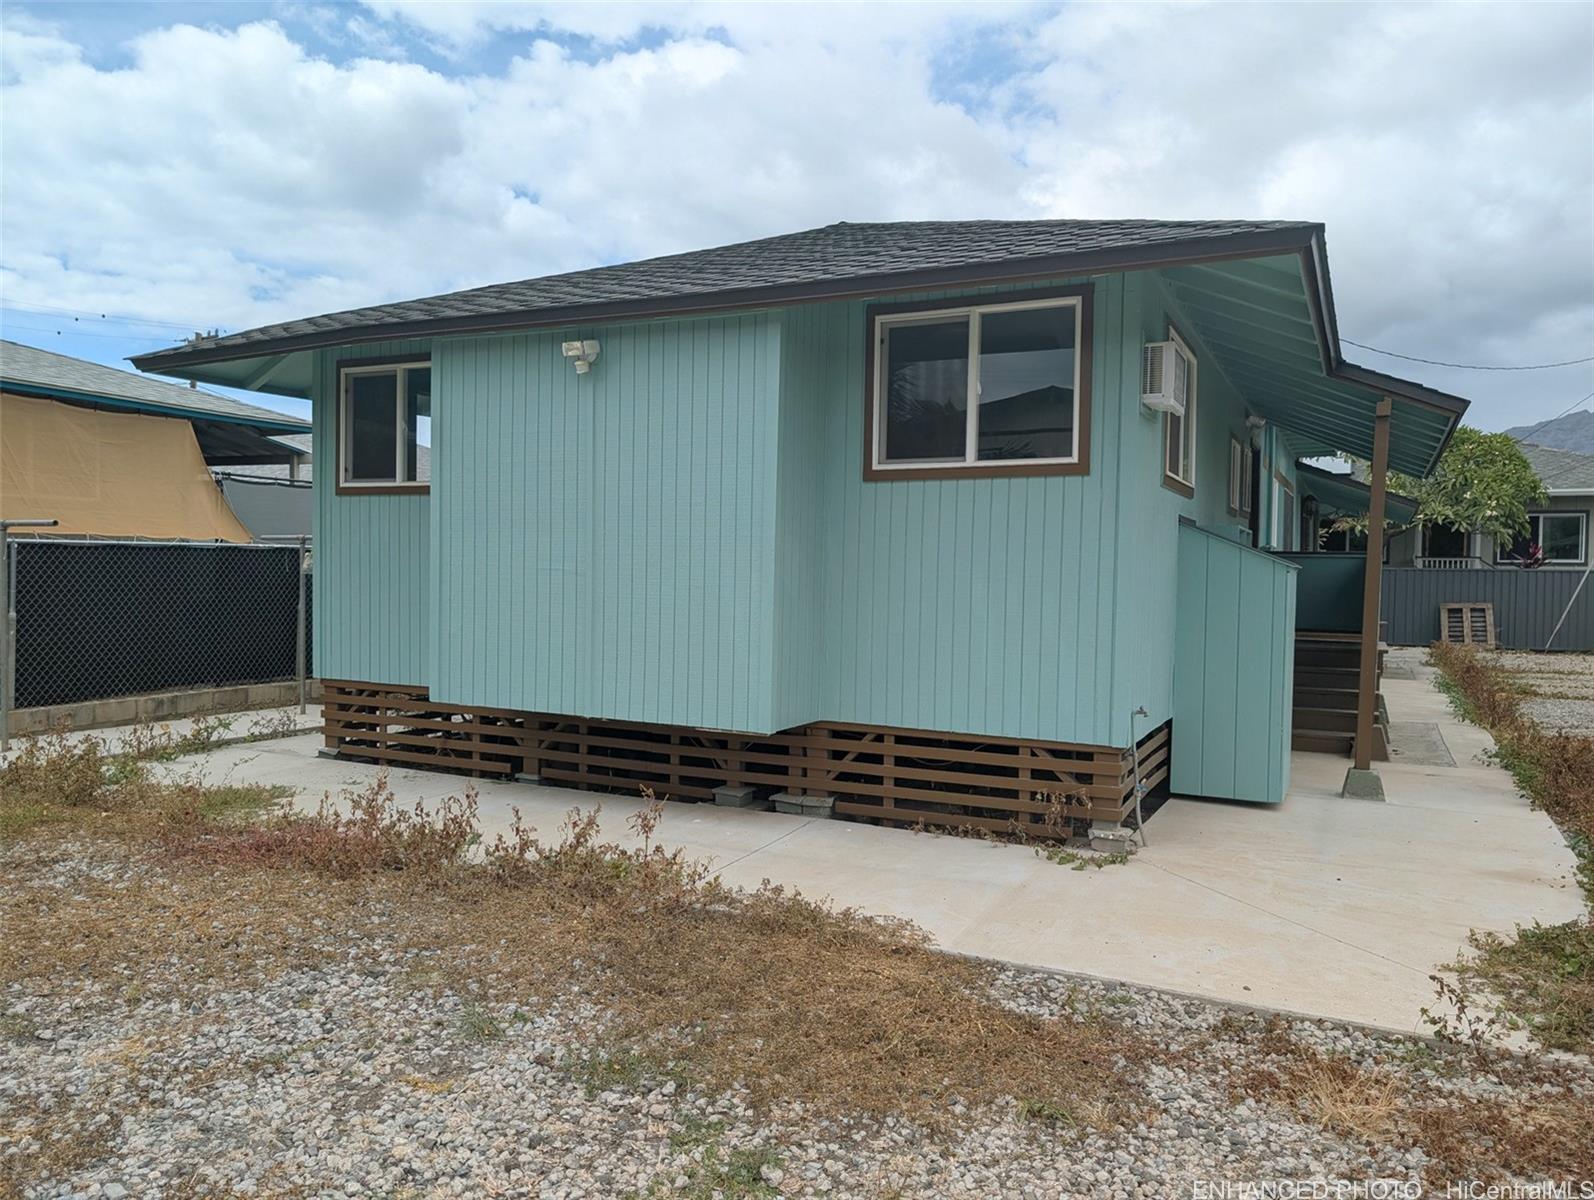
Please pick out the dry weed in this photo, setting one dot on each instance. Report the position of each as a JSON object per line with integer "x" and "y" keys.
{"x": 1544, "y": 975}
{"x": 1541, "y": 1133}
{"x": 53, "y": 1144}
{"x": 767, "y": 989}
{"x": 1346, "y": 1099}
{"x": 1482, "y": 1138}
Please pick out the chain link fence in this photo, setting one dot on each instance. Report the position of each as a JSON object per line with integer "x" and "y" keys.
{"x": 94, "y": 620}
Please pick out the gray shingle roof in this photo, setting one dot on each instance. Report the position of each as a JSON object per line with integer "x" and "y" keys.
{"x": 24, "y": 365}
{"x": 835, "y": 259}
{"x": 1561, "y": 470}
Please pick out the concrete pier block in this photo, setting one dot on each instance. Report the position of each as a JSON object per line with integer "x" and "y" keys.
{"x": 741, "y": 797}
{"x": 1362, "y": 785}
{"x": 819, "y": 807}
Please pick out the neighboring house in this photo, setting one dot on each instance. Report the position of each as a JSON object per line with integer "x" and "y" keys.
{"x": 109, "y": 453}
{"x": 1560, "y": 527}
{"x": 1429, "y": 572}
{"x": 277, "y": 499}
{"x": 903, "y": 521}
{"x": 301, "y": 466}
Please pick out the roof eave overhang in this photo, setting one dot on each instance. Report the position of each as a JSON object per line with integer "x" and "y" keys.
{"x": 71, "y": 395}
{"x": 1320, "y": 295}
{"x": 1351, "y": 483}
{"x": 1246, "y": 245}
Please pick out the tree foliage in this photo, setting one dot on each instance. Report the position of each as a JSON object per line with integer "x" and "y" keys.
{"x": 1483, "y": 483}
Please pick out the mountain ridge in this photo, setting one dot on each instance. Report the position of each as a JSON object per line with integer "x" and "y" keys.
{"x": 1574, "y": 431}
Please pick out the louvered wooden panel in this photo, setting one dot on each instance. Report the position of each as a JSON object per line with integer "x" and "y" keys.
{"x": 1468, "y": 624}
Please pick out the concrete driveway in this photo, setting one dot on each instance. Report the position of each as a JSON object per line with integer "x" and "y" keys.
{"x": 1323, "y": 906}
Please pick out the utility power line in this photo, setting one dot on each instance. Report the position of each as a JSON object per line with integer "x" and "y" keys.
{"x": 77, "y": 314}
{"x": 160, "y": 338}
{"x": 1434, "y": 362}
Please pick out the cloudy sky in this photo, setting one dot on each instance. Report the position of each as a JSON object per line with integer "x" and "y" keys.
{"x": 171, "y": 167}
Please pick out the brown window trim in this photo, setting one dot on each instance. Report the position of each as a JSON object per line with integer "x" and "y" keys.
{"x": 1083, "y": 353}
{"x": 340, "y": 488}
{"x": 1179, "y": 486}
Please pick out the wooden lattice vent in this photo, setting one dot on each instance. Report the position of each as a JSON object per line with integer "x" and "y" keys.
{"x": 875, "y": 773}
{"x": 1467, "y": 624}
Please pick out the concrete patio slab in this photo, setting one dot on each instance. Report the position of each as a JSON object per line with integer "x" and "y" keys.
{"x": 1328, "y": 907}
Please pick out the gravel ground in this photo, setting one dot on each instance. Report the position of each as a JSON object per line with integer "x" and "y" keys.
{"x": 1561, "y": 698}
{"x": 356, "y": 1077}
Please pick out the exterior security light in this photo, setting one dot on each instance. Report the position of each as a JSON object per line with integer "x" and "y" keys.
{"x": 582, "y": 354}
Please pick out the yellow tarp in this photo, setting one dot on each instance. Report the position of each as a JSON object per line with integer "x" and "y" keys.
{"x": 112, "y": 474}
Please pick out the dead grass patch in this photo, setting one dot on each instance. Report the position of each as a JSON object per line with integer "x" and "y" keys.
{"x": 180, "y": 927}
{"x": 767, "y": 990}
{"x": 53, "y": 1143}
{"x": 1481, "y": 1138}
{"x": 1329, "y": 1091}
{"x": 694, "y": 983}
{"x": 1342, "y": 1097}
{"x": 1540, "y": 1132}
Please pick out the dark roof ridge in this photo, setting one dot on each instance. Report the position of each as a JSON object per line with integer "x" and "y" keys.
{"x": 839, "y": 259}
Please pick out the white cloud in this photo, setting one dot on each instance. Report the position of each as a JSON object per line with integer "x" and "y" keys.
{"x": 229, "y": 177}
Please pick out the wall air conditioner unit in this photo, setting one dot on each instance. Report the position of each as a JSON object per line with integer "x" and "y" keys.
{"x": 1164, "y": 377}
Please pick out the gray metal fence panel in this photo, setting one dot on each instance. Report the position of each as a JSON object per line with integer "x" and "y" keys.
{"x": 1527, "y": 605}
{"x": 270, "y": 508}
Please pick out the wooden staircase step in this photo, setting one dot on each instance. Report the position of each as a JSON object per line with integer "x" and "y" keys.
{"x": 1322, "y": 743}
{"x": 1326, "y": 656}
{"x": 1325, "y": 720}
{"x": 1339, "y": 699}
{"x": 1329, "y": 678}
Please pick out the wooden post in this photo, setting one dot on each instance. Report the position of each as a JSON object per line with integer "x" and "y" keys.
{"x": 1367, "y": 677}
{"x": 332, "y": 709}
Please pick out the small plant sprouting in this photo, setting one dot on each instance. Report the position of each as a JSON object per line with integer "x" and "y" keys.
{"x": 476, "y": 1024}
{"x": 1045, "y": 1112}
{"x": 1465, "y": 1026}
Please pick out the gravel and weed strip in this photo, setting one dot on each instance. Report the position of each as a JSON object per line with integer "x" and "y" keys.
{"x": 203, "y": 994}
{"x": 1475, "y": 1113}
{"x": 1543, "y": 975}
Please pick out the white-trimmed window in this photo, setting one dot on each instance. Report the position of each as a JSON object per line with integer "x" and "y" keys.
{"x": 1561, "y": 536}
{"x": 1179, "y": 429}
{"x": 1282, "y": 519}
{"x": 988, "y": 389}
{"x": 1239, "y": 477}
{"x": 384, "y": 426}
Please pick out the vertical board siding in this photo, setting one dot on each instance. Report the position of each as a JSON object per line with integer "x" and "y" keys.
{"x": 1233, "y": 670}
{"x": 801, "y": 648}
{"x": 684, "y": 536}
{"x": 1148, "y": 514}
{"x": 373, "y": 610}
{"x": 973, "y": 605}
{"x": 1527, "y": 605}
{"x": 606, "y": 542}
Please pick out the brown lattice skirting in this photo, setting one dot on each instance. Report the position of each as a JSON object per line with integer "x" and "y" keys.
{"x": 895, "y": 776}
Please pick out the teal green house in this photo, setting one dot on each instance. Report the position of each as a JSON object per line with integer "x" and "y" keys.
{"x": 952, "y": 523}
